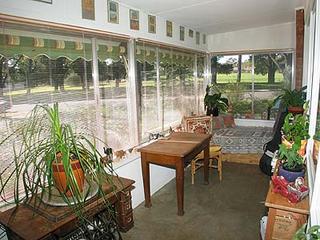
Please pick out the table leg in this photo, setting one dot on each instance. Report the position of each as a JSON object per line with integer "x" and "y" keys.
{"x": 206, "y": 164}
{"x": 180, "y": 186}
{"x": 146, "y": 180}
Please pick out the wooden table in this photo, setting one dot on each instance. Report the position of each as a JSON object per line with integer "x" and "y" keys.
{"x": 174, "y": 152}
{"x": 284, "y": 218}
{"x": 23, "y": 222}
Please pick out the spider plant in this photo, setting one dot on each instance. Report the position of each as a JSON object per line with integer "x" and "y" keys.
{"x": 40, "y": 142}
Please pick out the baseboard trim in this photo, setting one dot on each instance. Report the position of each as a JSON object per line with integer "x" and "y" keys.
{"x": 246, "y": 158}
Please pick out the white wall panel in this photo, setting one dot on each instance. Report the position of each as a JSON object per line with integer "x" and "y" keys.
{"x": 70, "y": 12}
{"x": 281, "y": 36}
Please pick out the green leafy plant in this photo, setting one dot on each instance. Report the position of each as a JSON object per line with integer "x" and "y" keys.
{"x": 292, "y": 98}
{"x": 42, "y": 140}
{"x": 290, "y": 157}
{"x": 313, "y": 233}
{"x": 213, "y": 100}
{"x": 295, "y": 128}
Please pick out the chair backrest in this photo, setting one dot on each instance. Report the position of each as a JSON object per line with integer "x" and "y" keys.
{"x": 197, "y": 124}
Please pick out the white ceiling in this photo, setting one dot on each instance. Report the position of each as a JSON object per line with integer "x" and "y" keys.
{"x": 216, "y": 16}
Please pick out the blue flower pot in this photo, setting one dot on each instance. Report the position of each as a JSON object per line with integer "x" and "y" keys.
{"x": 288, "y": 175}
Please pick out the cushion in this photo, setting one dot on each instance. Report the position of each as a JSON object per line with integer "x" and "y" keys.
{"x": 242, "y": 139}
{"x": 228, "y": 121}
{"x": 200, "y": 124}
{"x": 217, "y": 122}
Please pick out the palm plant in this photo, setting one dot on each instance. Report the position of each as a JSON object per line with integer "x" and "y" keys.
{"x": 292, "y": 99}
{"x": 44, "y": 142}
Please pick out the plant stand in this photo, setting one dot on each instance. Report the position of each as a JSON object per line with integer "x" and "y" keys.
{"x": 29, "y": 221}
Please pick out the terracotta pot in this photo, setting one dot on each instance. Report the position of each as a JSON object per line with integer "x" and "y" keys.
{"x": 289, "y": 175}
{"x": 316, "y": 148}
{"x": 60, "y": 178}
{"x": 296, "y": 110}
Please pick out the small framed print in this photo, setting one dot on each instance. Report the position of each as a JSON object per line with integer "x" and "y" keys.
{"x": 152, "y": 24}
{"x": 181, "y": 33}
{"x": 88, "y": 9}
{"x": 44, "y": 1}
{"x": 197, "y": 38}
{"x": 134, "y": 19}
{"x": 113, "y": 12}
{"x": 169, "y": 28}
{"x": 190, "y": 33}
{"x": 204, "y": 39}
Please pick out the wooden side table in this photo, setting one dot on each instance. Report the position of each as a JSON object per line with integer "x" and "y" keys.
{"x": 284, "y": 218}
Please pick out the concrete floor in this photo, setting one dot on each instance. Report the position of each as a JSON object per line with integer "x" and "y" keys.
{"x": 227, "y": 210}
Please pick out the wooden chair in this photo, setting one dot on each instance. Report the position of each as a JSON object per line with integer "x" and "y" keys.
{"x": 203, "y": 124}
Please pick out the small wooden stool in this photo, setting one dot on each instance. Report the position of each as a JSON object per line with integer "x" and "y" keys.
{"x": 215, "y": 154}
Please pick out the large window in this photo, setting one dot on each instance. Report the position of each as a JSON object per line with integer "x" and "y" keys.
{"x": 46, "y": 66}
{"x": 88, "y": 77}
{"x": 169, "y": 85}
{"x": 252, "y": 81}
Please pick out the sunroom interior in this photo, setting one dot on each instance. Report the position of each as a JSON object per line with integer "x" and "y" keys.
{"x": 133, "y": 72}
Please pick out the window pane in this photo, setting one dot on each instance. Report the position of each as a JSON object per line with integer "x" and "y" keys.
{"x": 200, "y": 83}
{"x": 252, "y": 96}
{"x": 273, "y": 72}
{"x": 178, "y": 87}
{"x": 112, "y": 56}
{"x": 147, "y": 85}
{"x": 43, "y": 67}
{"x": 232, "y": 74}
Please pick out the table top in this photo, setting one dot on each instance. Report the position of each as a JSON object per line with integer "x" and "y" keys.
{"x": 27, "y": 224}
{"x": 276, "y": 200}
{"x": 178, "y": 144}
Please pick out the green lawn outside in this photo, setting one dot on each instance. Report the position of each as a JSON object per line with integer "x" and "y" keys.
{"x": 247, "y": 78}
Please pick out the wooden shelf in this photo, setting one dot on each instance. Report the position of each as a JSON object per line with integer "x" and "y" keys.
{"x": 276, "y": 200}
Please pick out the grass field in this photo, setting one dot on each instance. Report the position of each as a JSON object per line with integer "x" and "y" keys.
{"x": 222, "y": 79}
{"x": 247, "y": 78}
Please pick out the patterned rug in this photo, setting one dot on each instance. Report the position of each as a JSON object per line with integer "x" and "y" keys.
{"x": 242, "y": 139}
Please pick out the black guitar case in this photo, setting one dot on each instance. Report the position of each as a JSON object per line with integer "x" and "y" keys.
{"x": 273, "y": 145}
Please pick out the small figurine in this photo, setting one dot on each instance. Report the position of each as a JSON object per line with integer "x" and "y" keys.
{"x": 119, "y": 155}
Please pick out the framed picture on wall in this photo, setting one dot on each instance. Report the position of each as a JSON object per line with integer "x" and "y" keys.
{"x": 44, "y": 1}
{"x": 152, "y": 24}
{"x": 197, "y": 38}
{"x": 204, "y": 39}
{"x": 181, "y": 33}
{"x": 169, "y": 28}
{"x": 134, "y": 19}
{"x": 190, "y": 33}
{"x": 113, "y": 12}
{"x": 88, "y": 9}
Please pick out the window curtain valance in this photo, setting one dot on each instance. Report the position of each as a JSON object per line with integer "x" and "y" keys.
{"x": 32, "y": 47}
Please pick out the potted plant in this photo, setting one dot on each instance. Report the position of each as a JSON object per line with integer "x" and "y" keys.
{"x": 214, "y": 102}
{"x": 293, "y": 100}
{"x": 292, "y": 163}
{"x": 50, "y": 156}
{"x": 312, "y": 233}
{"x": 295, "y": 130}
